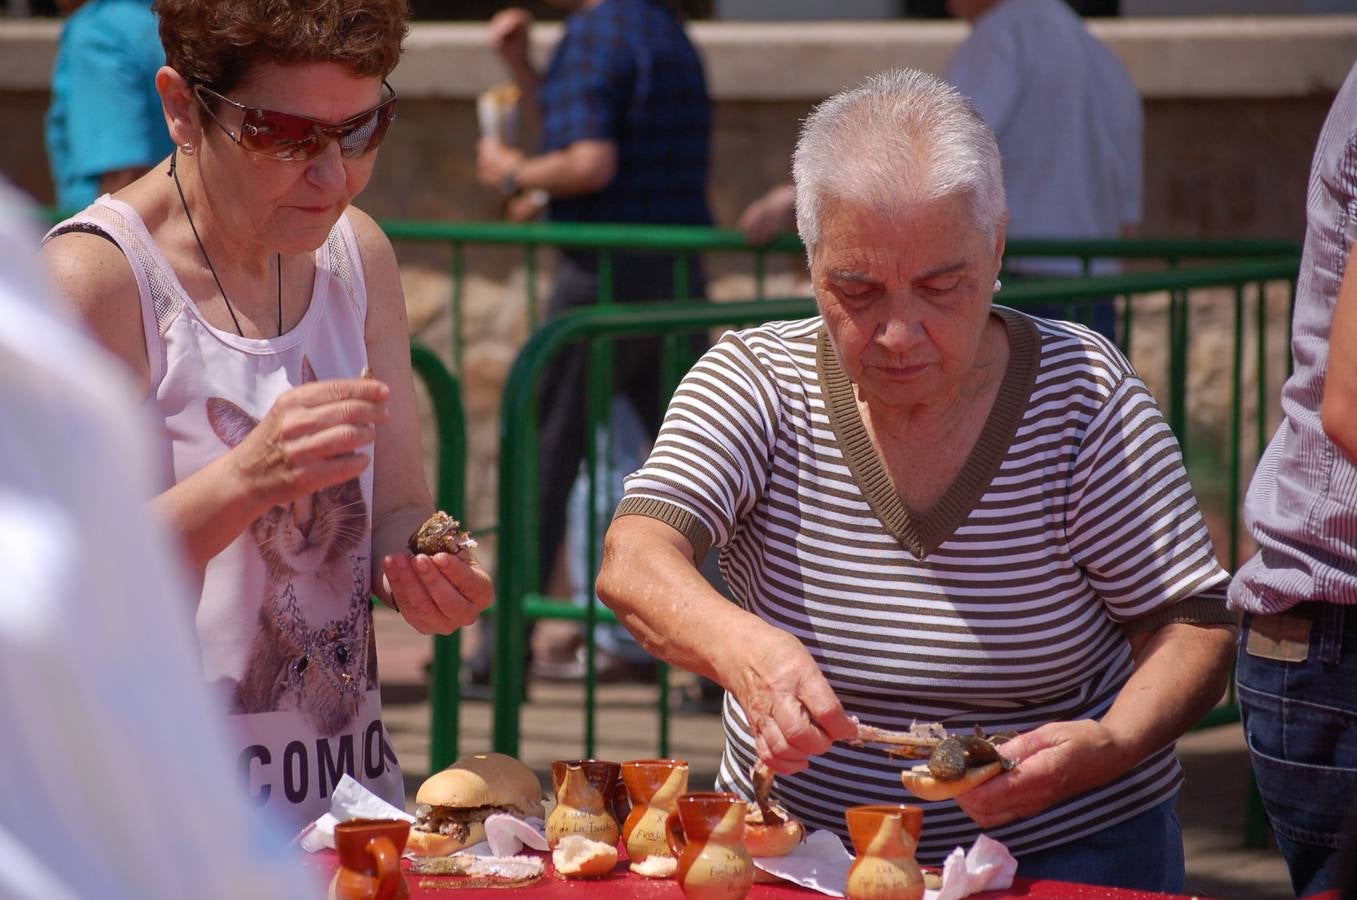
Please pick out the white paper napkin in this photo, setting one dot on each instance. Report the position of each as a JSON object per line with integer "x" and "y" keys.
{"x": 987, "y": 867}
{"x": 350, "y": 800}
{"x": 505, "y": 834}
{"x": 822, "y": 864}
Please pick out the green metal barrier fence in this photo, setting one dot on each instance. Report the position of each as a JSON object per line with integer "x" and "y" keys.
{"x": 687, "y": 242}
{"x": 518, "y": 589}
{"x": 450, "y": 427}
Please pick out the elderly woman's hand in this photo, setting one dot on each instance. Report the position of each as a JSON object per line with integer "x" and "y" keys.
{"x": 438, "y": 594}
{"x": 791, "y": 708}
{"x": 309, "y": 440}
{"x": 1055, "y": 761}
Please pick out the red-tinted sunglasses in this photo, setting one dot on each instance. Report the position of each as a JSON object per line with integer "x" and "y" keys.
{"x": 286, "y": 136}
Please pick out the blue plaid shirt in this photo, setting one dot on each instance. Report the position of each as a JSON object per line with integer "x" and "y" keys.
{"x": 626, "y": 72}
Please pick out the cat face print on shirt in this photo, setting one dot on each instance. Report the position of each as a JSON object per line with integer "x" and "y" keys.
{"x": 314, "y": 647}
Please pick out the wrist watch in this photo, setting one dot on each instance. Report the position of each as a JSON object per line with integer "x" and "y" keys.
{"x": 509, "y": 186}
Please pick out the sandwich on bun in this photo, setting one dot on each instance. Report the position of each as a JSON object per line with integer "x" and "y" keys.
{"x": 958, "y": 763}
{"x": 452, "y": 805}
{"x": 927, "y": 787}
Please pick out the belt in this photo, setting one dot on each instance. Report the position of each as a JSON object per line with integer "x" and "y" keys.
{"x": 1288, "y": 636}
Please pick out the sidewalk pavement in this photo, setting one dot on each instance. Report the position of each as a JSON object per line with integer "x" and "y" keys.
{"x": 1211, "y": 806}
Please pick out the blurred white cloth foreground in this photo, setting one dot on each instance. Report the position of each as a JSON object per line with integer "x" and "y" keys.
{"x": 114, "y": 778}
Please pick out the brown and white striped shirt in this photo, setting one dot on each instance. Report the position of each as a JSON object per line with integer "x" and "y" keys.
{"x": 1007, "y": 605}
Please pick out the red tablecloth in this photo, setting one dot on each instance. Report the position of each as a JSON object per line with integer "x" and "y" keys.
{"x": 623, "y": 884}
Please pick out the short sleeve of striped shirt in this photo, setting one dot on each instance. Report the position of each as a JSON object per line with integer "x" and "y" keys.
{"x": 1133, "y": 523}
{"x": 711, "y": 460}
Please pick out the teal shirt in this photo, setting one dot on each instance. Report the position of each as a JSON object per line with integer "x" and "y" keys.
{"x": 105, "y": 113}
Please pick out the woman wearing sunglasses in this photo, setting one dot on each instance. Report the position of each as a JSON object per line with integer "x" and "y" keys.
{"x": 247, "y": 295}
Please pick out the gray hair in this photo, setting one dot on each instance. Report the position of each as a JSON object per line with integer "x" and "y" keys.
{"x": 902, "y": 137}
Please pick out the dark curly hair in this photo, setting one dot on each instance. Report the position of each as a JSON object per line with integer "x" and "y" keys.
{"x": 216, "y": 42}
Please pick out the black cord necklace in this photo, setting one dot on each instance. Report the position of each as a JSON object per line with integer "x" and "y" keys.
{"x": 278, "y": 257}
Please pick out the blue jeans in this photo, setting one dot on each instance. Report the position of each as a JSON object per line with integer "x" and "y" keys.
{"x": 1144, "y": 853}
{"x": 629, "y": 446}
{"x": 1300, "y": 720}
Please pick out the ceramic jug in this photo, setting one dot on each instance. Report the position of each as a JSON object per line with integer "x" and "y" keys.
{"x": 885, "y": 837}
{"x": 584, "y": 793}
{"x": 653, "y": 786}
{"x": 706, "y": 835}
{"x": 370, "y": 860}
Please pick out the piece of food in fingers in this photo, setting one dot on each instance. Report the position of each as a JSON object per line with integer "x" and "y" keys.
{"x": 367, "y": 373}
{"x": 440, "y": 533}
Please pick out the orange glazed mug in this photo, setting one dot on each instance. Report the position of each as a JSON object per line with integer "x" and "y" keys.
{"x": 654, "y": 786}
{"x": 370, "y": 860}
{"x": 885, "y": 837}
{"x": 586, "y": 790}
{"x": 706, "y": 835}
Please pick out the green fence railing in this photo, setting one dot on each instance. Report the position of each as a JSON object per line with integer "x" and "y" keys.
{"x": 445, "y": 395}
{"x": 1225, "y": 290}
{"x": 689, "y": 242}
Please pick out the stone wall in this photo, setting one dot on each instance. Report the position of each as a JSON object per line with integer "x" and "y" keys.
{"x": 1232, "y": 108}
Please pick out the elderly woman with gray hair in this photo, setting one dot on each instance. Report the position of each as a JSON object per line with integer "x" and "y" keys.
{"x": 932, "y": 509}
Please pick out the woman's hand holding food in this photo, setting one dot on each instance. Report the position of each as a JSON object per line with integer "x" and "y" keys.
{"x": 1055, "y": 761}
{"x": 437, "y": 594}
{"x": 311, "y": 439}
{"x": 791, "y": 708}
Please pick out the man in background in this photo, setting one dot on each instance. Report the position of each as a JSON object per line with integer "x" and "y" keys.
{"x": 625, "y": 131}
{"x": 105, "y": 127}
{"x": 1069, "y": 124}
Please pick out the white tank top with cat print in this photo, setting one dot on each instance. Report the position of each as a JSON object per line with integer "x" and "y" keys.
{"x": 284, "y": 620}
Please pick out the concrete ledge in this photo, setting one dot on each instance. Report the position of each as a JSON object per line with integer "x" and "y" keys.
{"x": 1217, "y": 57}
{"x": 27, "y": 48}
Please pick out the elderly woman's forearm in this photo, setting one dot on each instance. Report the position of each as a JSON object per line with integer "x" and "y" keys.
{"x": 1181, "y": 673}
{"x": 664, "y": 601}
